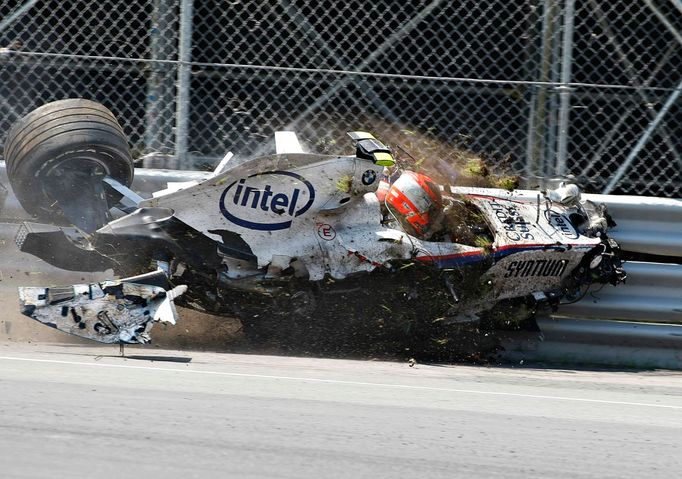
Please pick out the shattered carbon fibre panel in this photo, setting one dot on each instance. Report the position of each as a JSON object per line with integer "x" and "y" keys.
{"x": 108, "y": 312}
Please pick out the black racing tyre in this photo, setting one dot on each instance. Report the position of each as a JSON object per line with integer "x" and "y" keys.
{"x": 73, "y": 134}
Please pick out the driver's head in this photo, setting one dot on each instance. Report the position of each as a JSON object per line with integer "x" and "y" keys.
{"x": 416, "y": 201}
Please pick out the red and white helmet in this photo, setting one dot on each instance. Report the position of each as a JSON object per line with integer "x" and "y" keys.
{"x": 416, "y": 202}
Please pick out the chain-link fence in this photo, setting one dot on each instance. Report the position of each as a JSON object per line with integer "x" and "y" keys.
{"x": 555, "y": 87}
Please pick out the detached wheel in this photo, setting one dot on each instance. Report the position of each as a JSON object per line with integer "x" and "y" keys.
{"x": 57, "y": 156}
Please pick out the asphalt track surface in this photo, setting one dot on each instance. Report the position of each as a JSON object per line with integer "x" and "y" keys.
{"x": 82, "y": 412}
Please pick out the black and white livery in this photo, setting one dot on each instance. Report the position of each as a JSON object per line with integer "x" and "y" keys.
{"x": 291, "y": 239}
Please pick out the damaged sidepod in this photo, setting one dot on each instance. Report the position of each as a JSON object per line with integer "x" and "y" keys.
{"x": 121, "y": 311}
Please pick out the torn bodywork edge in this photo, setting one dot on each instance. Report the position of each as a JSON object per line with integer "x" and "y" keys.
{"x": 119, "y": 311}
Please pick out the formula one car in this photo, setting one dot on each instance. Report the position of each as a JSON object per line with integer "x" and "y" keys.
{"x": 288, "y": 241}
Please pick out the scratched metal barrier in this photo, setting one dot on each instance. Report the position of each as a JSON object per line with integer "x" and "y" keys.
{"x": 646, "y": 224}
{"x": 638, "y": 323}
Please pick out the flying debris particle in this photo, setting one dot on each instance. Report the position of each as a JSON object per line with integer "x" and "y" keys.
{"x": 477, "y": 167}
{"x": 508, "y": 183}
{"x": 344, "y": 184}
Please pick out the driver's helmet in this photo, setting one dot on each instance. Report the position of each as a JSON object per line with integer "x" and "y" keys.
{"x": 416, "y": 202}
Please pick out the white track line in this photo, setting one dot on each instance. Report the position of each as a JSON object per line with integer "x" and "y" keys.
{"x": 337, "y": 381}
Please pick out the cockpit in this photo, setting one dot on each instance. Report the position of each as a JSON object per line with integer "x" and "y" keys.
{"x": 418, "y": 205}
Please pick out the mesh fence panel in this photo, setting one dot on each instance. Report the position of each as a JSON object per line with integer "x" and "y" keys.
{"x": 587, "y": 88}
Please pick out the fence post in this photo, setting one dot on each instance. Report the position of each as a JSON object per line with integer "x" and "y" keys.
{"x": 538, "y": 146}
{"x": 565, "y": 89}
{"x": 182, "y": 106}
{"x": 16, "y": 14}
{"x": 159, "y": 102}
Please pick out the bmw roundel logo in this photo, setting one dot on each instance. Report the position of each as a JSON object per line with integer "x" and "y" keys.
{"x": 368, "y": 177}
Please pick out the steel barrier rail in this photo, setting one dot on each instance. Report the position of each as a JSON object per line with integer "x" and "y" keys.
{"x": 636, "y": 324}
{"x": 645, "y": 224}
{"x": 579, "y": 341}
{"x": 579, "y": 330}
{"x": 652, "y": 293}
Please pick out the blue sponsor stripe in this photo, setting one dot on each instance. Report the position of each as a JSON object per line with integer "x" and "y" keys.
{"x": 445, "y": 262}
{"x": 507, "y": 250}
{"x": 448, "y": 261}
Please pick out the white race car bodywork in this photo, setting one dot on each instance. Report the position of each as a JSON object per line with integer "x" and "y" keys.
{"x": 293, "y": 223}
{"x": 322, "y": 213}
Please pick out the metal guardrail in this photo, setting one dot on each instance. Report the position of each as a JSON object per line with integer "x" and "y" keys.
{"x": 636, "y": 324}
{"x": 582, "y": 341}
{"x": 645, "y": 224}
{"x": 652, "y": 293}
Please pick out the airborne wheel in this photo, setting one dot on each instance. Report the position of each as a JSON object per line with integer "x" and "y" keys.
{"x": 58, "y": 155}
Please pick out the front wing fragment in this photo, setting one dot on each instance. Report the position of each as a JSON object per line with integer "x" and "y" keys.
{"x": 120, "y": 311}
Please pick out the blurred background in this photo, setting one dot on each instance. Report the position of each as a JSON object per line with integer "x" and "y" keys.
{"x": 546, "y": 87}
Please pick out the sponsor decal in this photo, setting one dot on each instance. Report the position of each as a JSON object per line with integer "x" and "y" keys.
{"x": 536, "y": 267}
{"x": 326, "y": 232}
{"x": 561, "y": 224}
{"x": 266, "y": 202}
{"x": 368, "y": 177}
{"x": 516, "y": 228}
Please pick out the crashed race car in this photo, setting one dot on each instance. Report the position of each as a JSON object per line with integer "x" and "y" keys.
{"x": 292, "y": 242}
